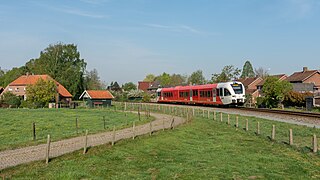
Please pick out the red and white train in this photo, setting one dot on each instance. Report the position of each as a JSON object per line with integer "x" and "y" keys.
{"x": 227, "y": 93}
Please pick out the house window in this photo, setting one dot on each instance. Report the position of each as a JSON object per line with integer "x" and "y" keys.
{"x": 17, "y": 89}
{"x": 10, "y": 89}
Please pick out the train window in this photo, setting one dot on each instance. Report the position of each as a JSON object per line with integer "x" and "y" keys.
{"x": 237, "y": 88}
{"x": 227, "y": 92}
{"x": 195, "y": 93}
{"x": 209, "y": 94}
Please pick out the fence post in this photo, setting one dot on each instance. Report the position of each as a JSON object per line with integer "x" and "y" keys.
{"x": 247, "y": 125}
{"x": 315, "y": 143}
{"x": 273, "y": 132}
{"x": 104, "y": 122}
{"x": 133, "y": 130}
{"x": 228, "y": 119}
{"x": 125, "y": 106}
{"x": 258, "y": 128}
{"x": 48, "y": 149}
{"x": 150, "y": 128}
{"x": 208, "y": 114}
{"x": 214, "y": 115}
{"x": 85, "y": 143}
{"x": 113, "y": 135}
{"x": 290, "y": 137}
{"x": 203, "y": 113}
{"x": 139, "y": 112}
{"x": 237, "y": 121}
{"x": 171, "y": 126}
{"x": 34, "y": 130}
{"x": 221, "y": 116}
{"x": 193, "y": 111}
{"x": 163, "y": 124}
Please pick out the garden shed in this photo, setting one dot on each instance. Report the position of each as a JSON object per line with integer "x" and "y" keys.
{"x": 97, "y": 98}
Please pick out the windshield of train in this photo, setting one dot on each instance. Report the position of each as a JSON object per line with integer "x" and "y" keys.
{"x": 237, "y": 88}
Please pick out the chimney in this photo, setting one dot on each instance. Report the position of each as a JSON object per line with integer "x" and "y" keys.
{"x": 305, "y": 69}
{"x": 27, "y": 74}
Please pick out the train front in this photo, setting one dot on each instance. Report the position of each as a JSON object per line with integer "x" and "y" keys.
{"x": 238, "y": 95}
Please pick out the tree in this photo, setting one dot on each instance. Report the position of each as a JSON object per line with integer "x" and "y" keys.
{"x": 114, "y": 86}
{"x": 93, "y": 82}
{"x": 261, "y": 72}
{"x": 228, "y": 73}
{"x": 129, "y": 86}
{"x": 164, "y": 79}
{"x": 11, "y": 75}
{"x": 177, "y": 79}
{"x": 275, "y": 91}
{"x": 63, "y": 63}
{"x": 197, "y": 78}
{"x": 149, "y": 78}
{"x": 42, "y": 92}
{"x": 11, "y": 99}
{"x": 247, "y": 70}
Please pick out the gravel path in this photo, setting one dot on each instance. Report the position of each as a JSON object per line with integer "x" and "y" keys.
{"x": 15, "y": 157}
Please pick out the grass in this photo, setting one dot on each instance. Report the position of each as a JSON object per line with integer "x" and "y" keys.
{"x": 16, "y": 124}
{"x": 203, "y": 149}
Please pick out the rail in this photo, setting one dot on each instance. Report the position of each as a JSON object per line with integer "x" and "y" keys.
{"x": 286, "y": 112}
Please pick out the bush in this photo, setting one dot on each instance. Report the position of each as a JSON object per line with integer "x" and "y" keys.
{"x": 10, "y": 99}
{"x": 296, "y": 99}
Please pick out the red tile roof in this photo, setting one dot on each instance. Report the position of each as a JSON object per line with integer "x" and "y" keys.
{"x": 32, "y": 79}
{"x": 278, "y": 76}
{"x": 143, "y": 85}
{"x": 247, "y": 81}
{"x": 99, "y": 94}
{"x": 301, "y": 76}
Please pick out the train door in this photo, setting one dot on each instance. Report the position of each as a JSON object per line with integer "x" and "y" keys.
{"x": 190, "y": 95}
{"x": 214, "y": 95}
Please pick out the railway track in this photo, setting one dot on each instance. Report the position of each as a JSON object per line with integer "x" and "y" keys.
{"x": 284, "y": 112}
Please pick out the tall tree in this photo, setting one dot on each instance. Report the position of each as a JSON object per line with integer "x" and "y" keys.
{"x": 63, "y": 63}
{"x": 275, "y": 91}
{"x": 11, "y": 75}
{"x": 129, "y": 86}
{"x": 197, "y": 78}
{"x": 228, "y": 73}
{"x": 92, "y": 80}
{"x": 177, "y": 79}
{"x": 42, "y": 92}
{"x": 261, "y": 72}
{"x": 247, "y": 70}
{"x": 149, "y": 78}
{"x": 164, "y": 79}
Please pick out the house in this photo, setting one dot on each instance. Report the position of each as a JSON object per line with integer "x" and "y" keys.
{"x": 144, "y": 85}
{"x": 18, "y": 87}
{"x": 97, "y": 98}
{"x": 305, "y": 81}
{"x": 250, "y": 85}
{"x": 280, "y": 77}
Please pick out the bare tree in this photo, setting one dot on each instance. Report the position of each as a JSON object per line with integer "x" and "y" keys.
{"x": 261, "y": 72}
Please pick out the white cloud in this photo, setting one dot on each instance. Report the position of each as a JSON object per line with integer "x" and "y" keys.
{"x": 175, "y": 28}
{"x": 81, "y": 13}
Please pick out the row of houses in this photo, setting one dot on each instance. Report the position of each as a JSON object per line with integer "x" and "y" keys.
{"x": 303, "y": 81}
{"x": 92, "y": 98}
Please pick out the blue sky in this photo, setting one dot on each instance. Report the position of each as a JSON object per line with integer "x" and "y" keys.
{"x": 127, "y": 39}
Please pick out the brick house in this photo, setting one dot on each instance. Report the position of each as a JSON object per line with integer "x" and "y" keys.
{"x": 303, "y": 78}
{"x": 280, "y": 77}
{"x": 97, "y": 98}
{"x": 18, "y": 87}
{"x": 250, "y": 85}
{"x": 144, "y": 85}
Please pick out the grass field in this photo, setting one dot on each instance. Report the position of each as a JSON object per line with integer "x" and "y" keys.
{"x": 16, "y": 124}
{"x": 203, "y": 149}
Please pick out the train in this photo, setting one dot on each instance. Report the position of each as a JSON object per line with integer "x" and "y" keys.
{"x": 219, "y": 94}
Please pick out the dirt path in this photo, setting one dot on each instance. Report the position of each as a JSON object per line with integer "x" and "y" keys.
{"x": 15, "y": 157}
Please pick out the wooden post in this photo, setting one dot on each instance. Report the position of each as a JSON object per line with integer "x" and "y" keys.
{"x": 258, "y": 128}
{"x": 163, "y": 124}
{"x": 290, "y": 137}
{"x": 228, "y": 119}
{"x": 171, "y": 126}
{"x": 273, "y": 135}
{"x": 221, "y": 116}
{"x": 208, "y": 114}
{"x": 125, "y": 106}
{"x": 77, "y": 124}
{"x": 237, "y": 121}
{"x": 48, "y": 149}
{"x": 113, "y": 135}
{"x": 203, "y": 113}
{"x": 139, "y": 113}
{"x": 193, "y": 111}
{"x": 150, "y": 128}
{"x": 104, "y": 122}
{"x": 247, "y": 125}
{"x": 133, "y": 130}
{"x": 315, "y": 143}
{"x": 214, "y": 115}
{"x": 85, "y": 142}
{"x": 34, "y": 130}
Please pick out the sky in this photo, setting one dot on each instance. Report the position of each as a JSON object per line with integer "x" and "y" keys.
{"x": 127, "y": 39}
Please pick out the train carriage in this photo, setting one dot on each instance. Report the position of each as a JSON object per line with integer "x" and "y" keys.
{"x": 227, "y": 93}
